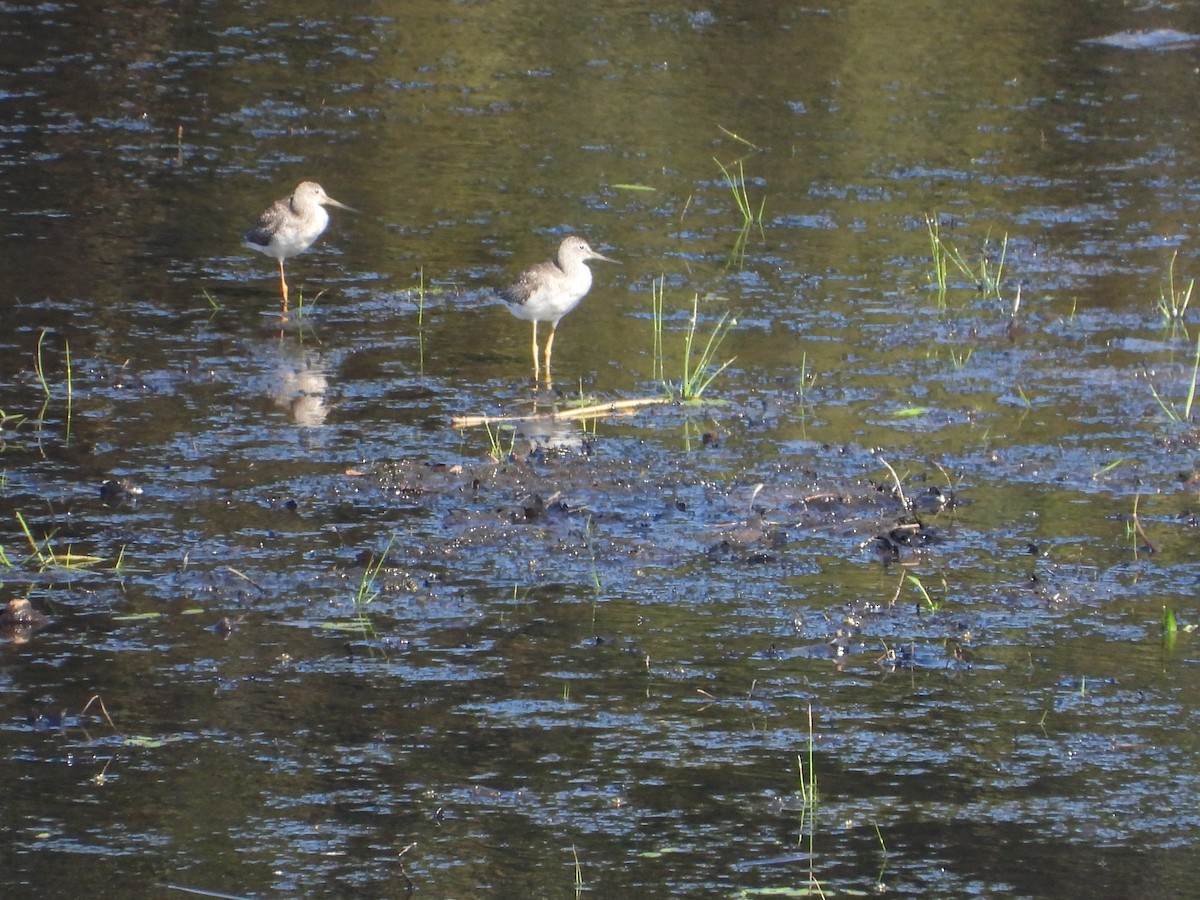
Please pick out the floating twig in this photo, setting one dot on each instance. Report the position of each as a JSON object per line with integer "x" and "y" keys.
{"x": 593, "y": 411}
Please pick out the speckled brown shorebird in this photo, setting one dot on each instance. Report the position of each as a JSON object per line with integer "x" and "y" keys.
{"x": 549, "y": 290}
{"x": 289, "y": 226}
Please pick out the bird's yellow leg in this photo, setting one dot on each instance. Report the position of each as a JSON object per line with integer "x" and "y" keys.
{"x": 549, "y": 348}
{"x": 536, "y": 368}
{"x": 283, "y": 286}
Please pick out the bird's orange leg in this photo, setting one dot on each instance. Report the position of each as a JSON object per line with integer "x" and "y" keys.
{"x": 283, "y": 287}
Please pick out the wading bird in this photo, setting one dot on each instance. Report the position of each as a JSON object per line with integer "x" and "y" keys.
{"x": 549, "y": 290}
{"x": 289, "y": 226}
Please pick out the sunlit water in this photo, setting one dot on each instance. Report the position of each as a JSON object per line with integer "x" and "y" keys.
{"x": 591, "y": 666}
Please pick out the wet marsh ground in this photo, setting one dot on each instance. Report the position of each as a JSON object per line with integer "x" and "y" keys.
{"x": 883, "y": 613}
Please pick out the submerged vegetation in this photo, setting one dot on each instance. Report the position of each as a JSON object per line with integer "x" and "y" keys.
{"x": 741, "y": 195}
{"x": 497, "y": 449}
{"x": 738, "y": 190}
{"x": 930, "y": 603}
{"x": 47, "y": 552}
{"x": 1173, "y": 303}
{"x": 39, "y": 369}
{"x": 698, "y": 368}
{"x": 46, "y": 555}
{"x": 1173, "y": 300}
{"x": 750, "y": 218}
{"x": 986, "y": 274}
{"x": 367, "y": 592}
{"x": 1180, "y": 414}
{"x": 806, "y": 768}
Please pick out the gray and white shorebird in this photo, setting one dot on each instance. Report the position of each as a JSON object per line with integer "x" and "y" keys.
{"x": 549, "y": 290}
{"x": 289, "y": 226}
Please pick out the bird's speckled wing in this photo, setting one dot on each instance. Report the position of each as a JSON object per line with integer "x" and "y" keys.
{"x": 268, "y": 223}
{"x": 520, "y": 292}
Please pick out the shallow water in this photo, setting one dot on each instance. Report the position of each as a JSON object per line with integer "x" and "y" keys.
{"x": 596, "y": 659}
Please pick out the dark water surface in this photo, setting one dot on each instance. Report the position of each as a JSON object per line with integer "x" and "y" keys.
{"x": 589, "y": 667}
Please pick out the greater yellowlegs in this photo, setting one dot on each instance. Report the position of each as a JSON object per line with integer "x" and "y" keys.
{"x": 289, "y": 226}
{"x": 548, "y": 291}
